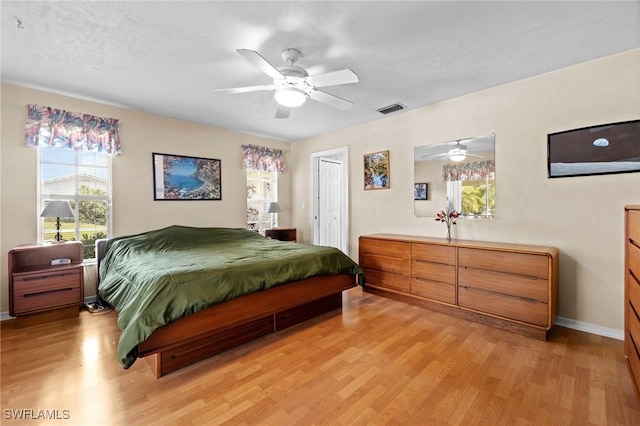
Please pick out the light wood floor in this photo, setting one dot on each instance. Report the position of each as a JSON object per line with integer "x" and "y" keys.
{"x": 380, "y": 362}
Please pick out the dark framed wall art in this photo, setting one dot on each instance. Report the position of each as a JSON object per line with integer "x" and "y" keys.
{"x": 178, "y": 177}
{"x": 596, "y": 150}
{"x": 420, "y": 191}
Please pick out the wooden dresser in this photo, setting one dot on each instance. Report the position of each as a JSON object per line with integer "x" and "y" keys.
{"x": 632, "y": 293}
{"x": 510, "y": 286}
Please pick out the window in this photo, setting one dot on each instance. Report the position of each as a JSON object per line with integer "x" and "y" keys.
{"x": 261, "y": 189}
{"x": 84, "y": 179}
{"x": 473, "y": 198}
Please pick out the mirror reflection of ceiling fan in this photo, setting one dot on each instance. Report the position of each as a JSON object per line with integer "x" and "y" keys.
{"x": 457, "y": 152}
{"x": 293, "y": 84}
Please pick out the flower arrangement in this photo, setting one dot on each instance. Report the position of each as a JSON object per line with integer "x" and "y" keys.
{"x": 449, "y": 219}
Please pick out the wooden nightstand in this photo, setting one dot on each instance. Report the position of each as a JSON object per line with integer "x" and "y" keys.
{"x": 282, "y": 234}
{"x": 37, "y": 287}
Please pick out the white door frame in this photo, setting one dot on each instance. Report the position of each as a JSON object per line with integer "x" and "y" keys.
{"x": 341, "y": 154}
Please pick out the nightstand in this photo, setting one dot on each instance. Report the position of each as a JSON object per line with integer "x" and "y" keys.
{"x": 41, "y": 292}
{"x": 282, "y": 234}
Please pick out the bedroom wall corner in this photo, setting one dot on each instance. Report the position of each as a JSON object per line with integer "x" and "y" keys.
{"x": 134, "y": 209}
{"x": 581, "y": 216}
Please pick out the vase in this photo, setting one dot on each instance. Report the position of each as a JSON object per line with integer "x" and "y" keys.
{"x": 448, "y": 234}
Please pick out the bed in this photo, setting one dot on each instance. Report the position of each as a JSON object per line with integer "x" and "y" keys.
{"x": 184, "y": 293}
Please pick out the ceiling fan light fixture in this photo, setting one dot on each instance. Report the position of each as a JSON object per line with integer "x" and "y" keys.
{"x": 290, "y": 97}
{"x": 458, "y": 153}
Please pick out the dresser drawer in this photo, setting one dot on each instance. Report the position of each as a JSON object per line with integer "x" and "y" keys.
{"x": 385, "y": 263}
{"x": 633, "y": 252}
{"x": 29, "y": 284}
{"x": 633, "y": 221}
{"x": 634, "y": 324}
{"x": 634, "y": 333}
{"x": 633, "y": 357}
{"x": 395, "y": 249}
{"x": 531, "y": 312}
{"x": 434, "y": 253}
{"x": 633, "y": 292}
{"x": 33, "y": 292}
{"x": 387, "y": 280}
{"x": 55, "y": 298}
{"x": 433, "y": 271}
{"x": 519, "y": 286}
{"x": 532, "y": 265}
{"x": 434, "y": 290}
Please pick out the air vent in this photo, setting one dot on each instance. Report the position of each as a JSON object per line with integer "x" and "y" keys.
{"x": 391, "y": 108}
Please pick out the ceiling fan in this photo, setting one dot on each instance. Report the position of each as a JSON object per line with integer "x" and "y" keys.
{"x": 457, "y": 153}
{"x": 293, "y": 84}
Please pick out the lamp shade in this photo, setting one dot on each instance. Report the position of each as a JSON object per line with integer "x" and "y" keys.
{"x": 273, "y": 207}
{"x": 56, "y": 208}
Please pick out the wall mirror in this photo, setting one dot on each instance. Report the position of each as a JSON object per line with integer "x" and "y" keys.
{"x": 459, "y": 174}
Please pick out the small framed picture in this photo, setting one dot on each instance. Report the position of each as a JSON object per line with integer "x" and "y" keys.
{"x": 420, "y": 191}
{"x": 376, "y": 170}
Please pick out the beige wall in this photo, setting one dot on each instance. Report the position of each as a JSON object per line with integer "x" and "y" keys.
{"x": 134, "y": 209}
{"x": 581, "y": 216}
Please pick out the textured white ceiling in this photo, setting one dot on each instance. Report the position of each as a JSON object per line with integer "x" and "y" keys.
{"x": 168, "y": 57}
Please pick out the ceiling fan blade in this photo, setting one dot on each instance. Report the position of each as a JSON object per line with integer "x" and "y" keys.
{"x": 283, "y": 111}
{"x": 247, "y": 89}
{"x": 331, "y": 100}
{"x": 260, "y": 62}
{"x": 434, "y": 156}
{"x": 334, "y": 78}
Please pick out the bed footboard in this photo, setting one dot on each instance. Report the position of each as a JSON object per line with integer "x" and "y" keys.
{"x": 233, "y": 323}
{"x": 181, "y": 355}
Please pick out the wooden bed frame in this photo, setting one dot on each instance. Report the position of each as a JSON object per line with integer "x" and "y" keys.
{"x": 221, "y": 327}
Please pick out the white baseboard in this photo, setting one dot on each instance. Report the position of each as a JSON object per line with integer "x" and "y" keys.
{"x": 590, "y": 328}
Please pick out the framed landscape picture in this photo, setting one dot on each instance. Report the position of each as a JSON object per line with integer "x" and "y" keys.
{"x": 177, "y": 177}
{"x": 376, "y": 170}
{"x": 420, "y": 191}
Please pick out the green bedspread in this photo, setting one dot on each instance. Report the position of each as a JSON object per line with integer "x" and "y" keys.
{"x": 157, "y": 277}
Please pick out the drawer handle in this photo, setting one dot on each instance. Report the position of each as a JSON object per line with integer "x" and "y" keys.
{"x": 58, "y": 290}
{"x": 531, "y": 277}
{"x": 44, "y": 277}
{"x": 634, "y": 277}
{"x": 634, "y": 242}
{"x": 434, "y": 262}
{"x": 384, "y": 254}
{"x": 479, "y": 290}
{"x": 633, "y": 310}
{"x": 634, "y": 345}
{"x": 433, "y": 281}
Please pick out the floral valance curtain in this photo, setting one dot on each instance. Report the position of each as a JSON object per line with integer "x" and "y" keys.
{"x": 261, "y": 158}
{"x": 63, "y": 129}
{"x": 468, "y": 171}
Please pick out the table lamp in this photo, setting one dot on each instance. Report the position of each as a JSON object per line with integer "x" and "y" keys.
{"x": 57, "y": 209}
{"x": 273, "y": 208}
